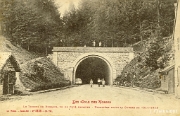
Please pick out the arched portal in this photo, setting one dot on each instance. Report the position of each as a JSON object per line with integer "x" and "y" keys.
{"x": 93, "y": 67}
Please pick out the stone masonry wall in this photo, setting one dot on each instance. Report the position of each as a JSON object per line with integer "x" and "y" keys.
{"x": 65, "y": 59}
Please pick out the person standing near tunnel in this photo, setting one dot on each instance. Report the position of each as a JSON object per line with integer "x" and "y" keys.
{"x": 91, "y": 82}
{"x": 99, "y": 81}
{"x": 103, "y": 82}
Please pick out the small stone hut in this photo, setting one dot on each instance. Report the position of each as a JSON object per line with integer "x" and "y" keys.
{"x": 167, "y": 79}
{"x": 8, "y": 73}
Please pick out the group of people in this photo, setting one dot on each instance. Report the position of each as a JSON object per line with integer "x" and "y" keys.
{"x": 99, "y": 81}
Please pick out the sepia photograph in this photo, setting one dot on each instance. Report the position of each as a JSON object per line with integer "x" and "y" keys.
{"x": 89, "y": 57}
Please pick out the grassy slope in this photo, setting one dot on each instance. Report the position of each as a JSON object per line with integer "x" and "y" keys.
{"x": 26, "y": 60}
{"x": 53, "y": 77}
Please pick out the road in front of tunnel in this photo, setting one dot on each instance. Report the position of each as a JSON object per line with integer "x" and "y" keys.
{"x": 96, "y": 101}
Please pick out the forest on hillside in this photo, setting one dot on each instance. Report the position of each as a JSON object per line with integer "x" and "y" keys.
{"x": 37, "y": 25}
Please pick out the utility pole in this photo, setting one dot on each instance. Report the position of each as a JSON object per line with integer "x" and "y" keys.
{"x": 158, "y": 15}
{"x": 113, "y": 40}
{"x": 140, "y": 25}
{"x": 28, "y": 44}
{"x": 176, "y": 38}
{"x": 140, "y": 29}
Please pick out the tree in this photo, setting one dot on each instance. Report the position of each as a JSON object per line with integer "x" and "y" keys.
{"x": 34, "y": 24}
{"x": 115, "y": 23}
{"x": 118, "y": 21}
{"x": 154, "y": 53}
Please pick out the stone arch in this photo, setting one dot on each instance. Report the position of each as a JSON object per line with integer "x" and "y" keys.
{"x": 106, "y": 59}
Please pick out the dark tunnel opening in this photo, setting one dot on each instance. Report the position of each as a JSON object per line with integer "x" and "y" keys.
{"x": 93, "y": 68}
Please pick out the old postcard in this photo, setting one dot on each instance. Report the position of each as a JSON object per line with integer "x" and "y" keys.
{"x": 89, "y": 57}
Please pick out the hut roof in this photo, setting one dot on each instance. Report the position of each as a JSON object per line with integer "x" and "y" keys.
{"x": 165, "y": 70}
{"x": 4, "y": 57}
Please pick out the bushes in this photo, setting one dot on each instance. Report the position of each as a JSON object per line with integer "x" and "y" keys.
{"x": 41, "y": 74}
{"x": 150, "y": 81}
{"x": 17, "y": 92}
{"x": 50, "y": 86}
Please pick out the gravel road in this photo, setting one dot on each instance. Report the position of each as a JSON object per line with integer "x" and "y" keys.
{"x": 96, "y": 101}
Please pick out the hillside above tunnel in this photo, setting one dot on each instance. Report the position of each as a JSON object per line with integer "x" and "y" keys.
{"x": 139, "y": 68}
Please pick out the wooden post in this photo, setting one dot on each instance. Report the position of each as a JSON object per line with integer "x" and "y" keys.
{"x": 8, "y": 82}
{"x": 176, "y": 37}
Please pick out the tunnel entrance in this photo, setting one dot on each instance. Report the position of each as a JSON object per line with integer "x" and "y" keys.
{"x": 93, "y": 68}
